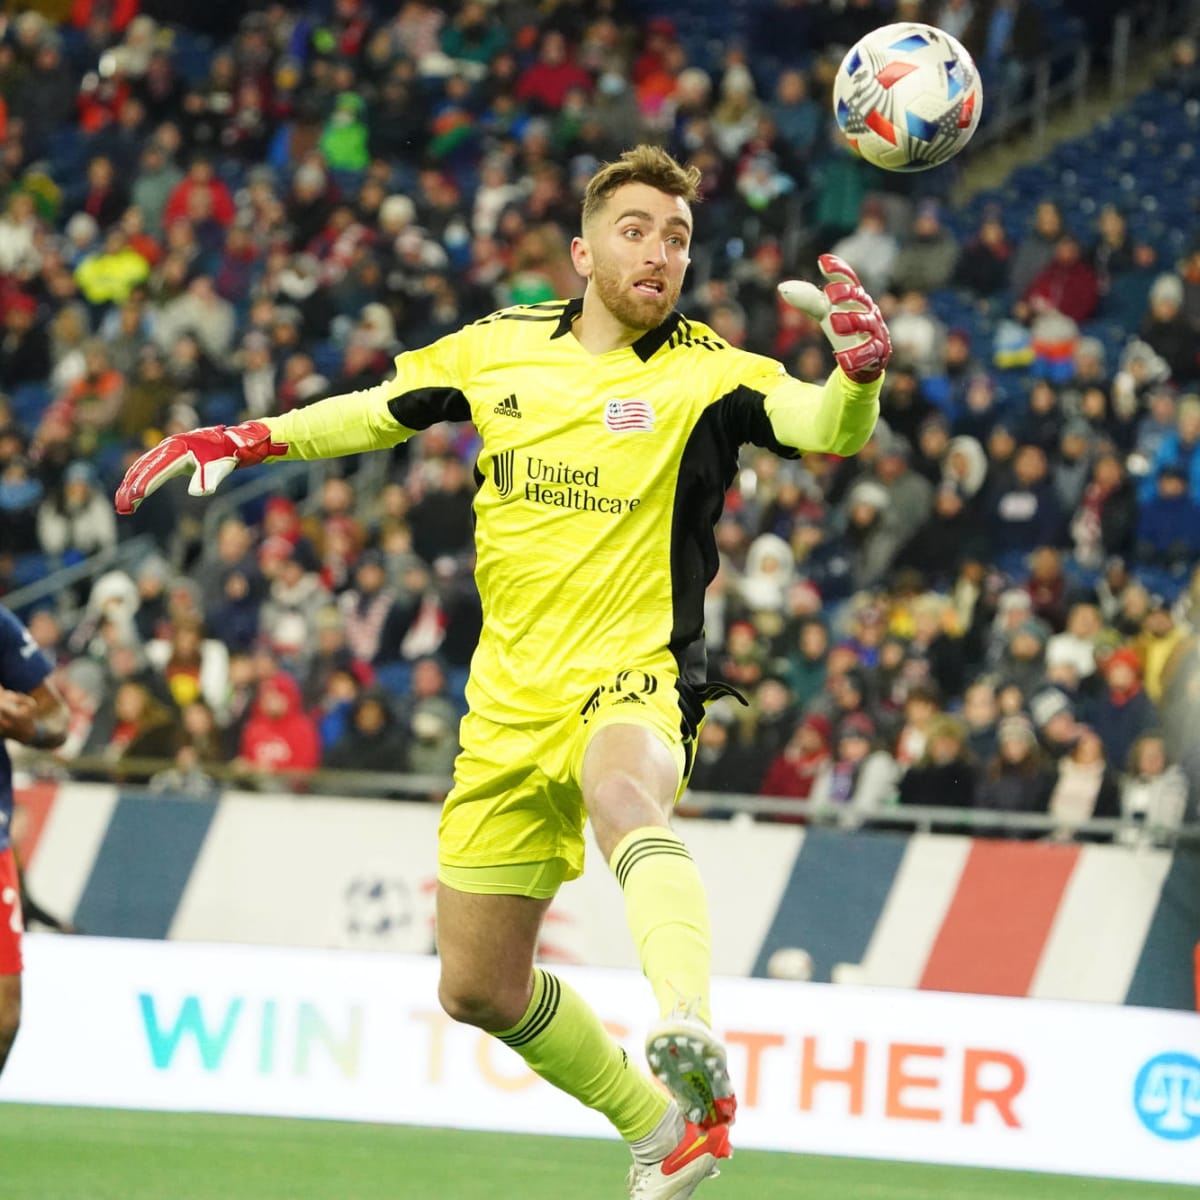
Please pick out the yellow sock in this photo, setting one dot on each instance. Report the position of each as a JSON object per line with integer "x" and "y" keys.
{"x": 561, "y": 1038}
{"x": 667, "y": 913}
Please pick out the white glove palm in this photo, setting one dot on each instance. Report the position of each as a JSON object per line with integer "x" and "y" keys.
{"x": 848, "y": 317}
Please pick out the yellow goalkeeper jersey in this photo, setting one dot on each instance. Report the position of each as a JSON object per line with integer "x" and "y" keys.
{"x": 599, "y": 482}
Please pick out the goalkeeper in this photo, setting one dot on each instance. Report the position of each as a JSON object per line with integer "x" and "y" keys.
{"x": 611, "y": 427}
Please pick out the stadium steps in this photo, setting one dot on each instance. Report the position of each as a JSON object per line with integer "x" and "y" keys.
{"x": 991, "y": 170}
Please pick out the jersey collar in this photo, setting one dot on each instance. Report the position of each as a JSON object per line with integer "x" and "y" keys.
{"x": 645, "y": 347}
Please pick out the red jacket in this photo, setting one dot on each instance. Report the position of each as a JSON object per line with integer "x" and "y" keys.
{"x": 286, "y": 740}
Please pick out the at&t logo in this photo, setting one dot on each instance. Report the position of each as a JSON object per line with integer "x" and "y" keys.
{"x": 1166, "y": 1095}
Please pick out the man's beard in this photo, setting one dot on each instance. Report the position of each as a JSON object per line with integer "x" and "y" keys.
{"x": 633, "y": 310}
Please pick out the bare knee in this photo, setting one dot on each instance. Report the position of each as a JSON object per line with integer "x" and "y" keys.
{"x": 492, "y": 1008}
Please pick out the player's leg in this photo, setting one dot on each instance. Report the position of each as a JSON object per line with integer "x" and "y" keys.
{"x": 10, "y": 1014}
{"x": 516, "y": 793}
{"x": 487, "y": 943}
{"x": 631, "y": 778}
{"x": 11, "y": 928}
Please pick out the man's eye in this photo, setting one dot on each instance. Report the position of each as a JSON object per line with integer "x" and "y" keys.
{"x": 633, "y": 233}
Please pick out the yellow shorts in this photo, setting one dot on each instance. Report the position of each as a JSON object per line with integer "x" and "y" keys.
{"x": 517, "y": 800}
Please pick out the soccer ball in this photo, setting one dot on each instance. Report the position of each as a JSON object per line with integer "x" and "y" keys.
{"x": 907, "y": 97}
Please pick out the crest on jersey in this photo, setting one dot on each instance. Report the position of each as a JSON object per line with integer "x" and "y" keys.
{"x": 629, "y": 416}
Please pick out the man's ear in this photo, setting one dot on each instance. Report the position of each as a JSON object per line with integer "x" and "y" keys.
{"x": 581, "y": 257}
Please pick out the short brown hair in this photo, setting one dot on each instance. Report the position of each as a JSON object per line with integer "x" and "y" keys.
{"x": 647, "y": 164}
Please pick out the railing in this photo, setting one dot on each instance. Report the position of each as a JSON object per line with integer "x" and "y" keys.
{"x": 147, "y": 773}
{"x": 1044, "y": 96}
{"x": 1134, "y": 34}
{"x": 301, "y": 479}
{"x": 123, "y": 555}
{"x": 277, "y": 480}
{"x": 1061, "y": 78}
{"x": 284, "y": 478}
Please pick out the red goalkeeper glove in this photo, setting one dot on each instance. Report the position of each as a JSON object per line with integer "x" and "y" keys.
{"x": 849, "y": 318}
{"x": 207, "y": 454}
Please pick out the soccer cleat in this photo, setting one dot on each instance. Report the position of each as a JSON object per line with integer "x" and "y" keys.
{"x": 690, "y": 1063}
{"x": 683, "y": 1170}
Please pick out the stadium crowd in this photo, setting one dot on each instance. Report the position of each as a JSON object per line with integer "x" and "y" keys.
{"x": 995, "y": 605}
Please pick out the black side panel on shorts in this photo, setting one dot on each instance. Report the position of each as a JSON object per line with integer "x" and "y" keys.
{"x": 423, "y": 407}
{"x": 706, "y": 471}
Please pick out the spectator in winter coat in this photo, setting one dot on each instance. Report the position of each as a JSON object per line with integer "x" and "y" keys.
{"x": 132, "y": 725}
{"x": 806, "y": 669}
{"x": 794, "y": 772}
{"x": 986, "y": 260}
{"x": 1023, "y": 665}
{"x": 374, "y": 620}
{"x": 722, "y": 763}
{"x": 1036, "y": 249}
{"x": 928, "y": 256}
{"x": 1066, "y": 284}
{"x": 24, "y": 345}
{"x": 1168, "y": 526}
{"x": 873, "y": 534}
{"x": 1086, "y": 787}
{"x": 944, "y": 775}
{"x": 1025, "y": 512}
{"x": 279, "y": 736}
{"x": 1047, "y": 587}
{"x": 192, "y": 666}
{"x": 1124, "y": 712}
{"x": 871, "y": 250}
{"x": 200, "y": 176}
{"x": 1107, "y": 513}
{"x": 980, "y": 715}
{"x": 1179, "y": 449}
{"x": 1017, "y": 778}
{"x": 860, "y": 778}
{"x": 1153, "y": 793}
{"x": 1167, "y": 329}
{"x": 1156, "y": 644}
{"x": 80, "y": 518}
{"x": 374, "y": 741}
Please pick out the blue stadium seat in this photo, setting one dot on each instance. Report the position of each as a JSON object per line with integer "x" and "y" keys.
{"x": 327, "y": 358}
{"x": 31, "y": 568}
{"x": 395, "y": 678}
{"x": 29, "y": 402}
{"x": 220, "y": 407}
{"x": 192, "y": 55}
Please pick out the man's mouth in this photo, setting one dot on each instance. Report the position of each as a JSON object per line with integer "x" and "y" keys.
{"x": 649, "y": 287}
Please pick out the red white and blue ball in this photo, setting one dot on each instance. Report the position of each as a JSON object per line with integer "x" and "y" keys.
{"x": 907, "y": 97}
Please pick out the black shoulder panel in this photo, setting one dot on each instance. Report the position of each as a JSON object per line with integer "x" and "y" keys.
{"x": 423, "y": 407}
{"x": 743, "y": 417}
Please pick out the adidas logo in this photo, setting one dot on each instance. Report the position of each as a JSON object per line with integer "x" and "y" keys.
{"x": 508, "y": 408}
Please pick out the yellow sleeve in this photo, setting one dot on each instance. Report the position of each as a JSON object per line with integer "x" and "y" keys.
{"x": 838, "y": 418}
{"x": 429, "y": 386}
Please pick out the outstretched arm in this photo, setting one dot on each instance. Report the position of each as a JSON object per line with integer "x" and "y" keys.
{"x": 843, "y": 419}
{"x": 840, "y": 422}
{"x": 424, "y": 390}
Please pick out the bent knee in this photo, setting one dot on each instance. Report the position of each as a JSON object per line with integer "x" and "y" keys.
{"x": 492, "y": 1010}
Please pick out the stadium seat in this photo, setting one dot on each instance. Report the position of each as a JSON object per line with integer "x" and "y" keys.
{"x": 395, "y": 678}
{"x": 31, "y": 568}
{"x": 29, "y": 402}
